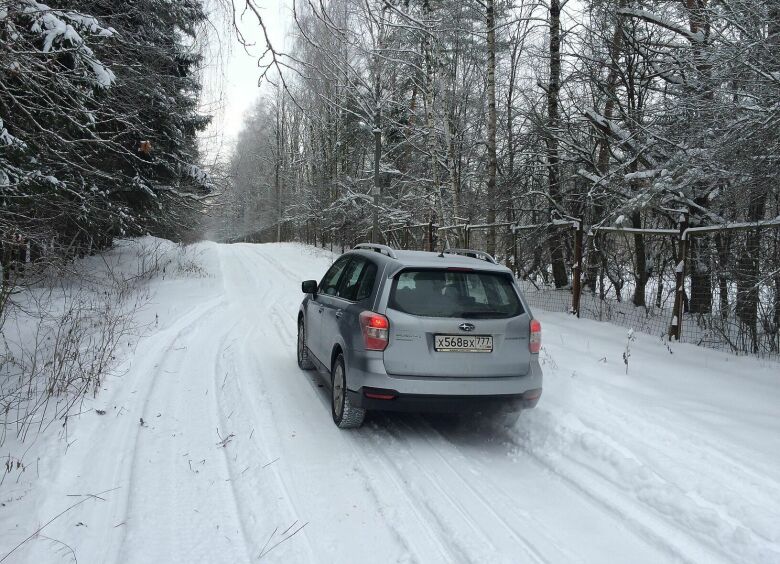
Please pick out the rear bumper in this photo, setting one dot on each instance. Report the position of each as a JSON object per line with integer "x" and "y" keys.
{"x": 440, "y": 403}
{"x": 366, "y": 374}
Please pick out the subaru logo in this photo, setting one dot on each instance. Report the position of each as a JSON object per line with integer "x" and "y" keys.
{"x": 466, "y": 326}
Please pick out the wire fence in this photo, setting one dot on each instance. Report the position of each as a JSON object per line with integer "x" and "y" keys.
{"x": 717, "y": 287}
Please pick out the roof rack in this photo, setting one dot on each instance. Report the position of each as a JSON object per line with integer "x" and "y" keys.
{"x": 376, "y": 247}
{"x": 471, "y": 253}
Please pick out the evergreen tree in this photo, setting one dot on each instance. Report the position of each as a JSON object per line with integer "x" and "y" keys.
{"x": 98, "y": 116}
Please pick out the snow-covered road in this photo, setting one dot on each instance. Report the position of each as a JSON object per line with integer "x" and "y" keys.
{"x": 217, "y": 448}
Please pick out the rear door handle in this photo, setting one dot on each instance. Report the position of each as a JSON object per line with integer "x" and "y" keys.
{"x": 320, "y": 310}
{"x": 339, "y": 314}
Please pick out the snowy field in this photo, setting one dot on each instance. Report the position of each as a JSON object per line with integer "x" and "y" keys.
{"x": 214, "y": 447}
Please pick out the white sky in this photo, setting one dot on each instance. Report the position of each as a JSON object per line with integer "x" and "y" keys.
{"x": 232, "y": 72}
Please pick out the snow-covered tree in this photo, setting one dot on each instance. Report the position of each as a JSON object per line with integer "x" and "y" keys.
{"x": 98, "y": 114}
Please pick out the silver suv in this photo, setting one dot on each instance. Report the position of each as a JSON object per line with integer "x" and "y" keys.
{"x": 419, "y": 331}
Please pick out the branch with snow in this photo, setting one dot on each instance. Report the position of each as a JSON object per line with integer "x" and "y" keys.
{"x": 693, "y": 37}
{"x": 60, "y": 30}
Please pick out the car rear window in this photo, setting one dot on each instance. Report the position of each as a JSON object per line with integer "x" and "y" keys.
{"x": 451, "y": 293}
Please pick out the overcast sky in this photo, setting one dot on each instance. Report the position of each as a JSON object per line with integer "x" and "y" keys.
{"x": 232, "y": 72}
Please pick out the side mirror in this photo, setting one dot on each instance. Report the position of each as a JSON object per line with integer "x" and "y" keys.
{"x": 309, "y": 286}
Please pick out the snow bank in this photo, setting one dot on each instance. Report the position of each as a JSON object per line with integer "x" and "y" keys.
{"x": 685, "y": 446}
{"x": 77, "y": 330}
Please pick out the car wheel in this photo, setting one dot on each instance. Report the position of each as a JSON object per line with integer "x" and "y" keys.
{"x": 345, "y": 414}
{"x": 303, "y": 351}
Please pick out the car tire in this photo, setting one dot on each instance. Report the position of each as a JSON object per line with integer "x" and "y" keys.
{"x": 345, "y": 414}
{"x": 304, "y": 362}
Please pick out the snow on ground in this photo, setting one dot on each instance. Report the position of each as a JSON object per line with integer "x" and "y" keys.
{"x": 216, "y": 448}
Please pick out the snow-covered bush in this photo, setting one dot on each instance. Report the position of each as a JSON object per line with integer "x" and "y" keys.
{"x": 62, "y": 334}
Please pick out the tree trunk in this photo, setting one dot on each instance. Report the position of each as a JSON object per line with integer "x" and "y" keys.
{"x": 377, "y": 154}
{"x": 641, "y": 261}
{"x": 438, "y": 192}
{"x": 512, "y": 260}
{"x": 492, "y": 171}
{"x": 776, "y": 315}
{"x": 701, "y": 279}
{"x": 747, "y": 273}
{"x": 452, "y": 157}
{"x": 602, "y": 161}
{"x": 555, "y": 240}
{"x": 278, "y": 167}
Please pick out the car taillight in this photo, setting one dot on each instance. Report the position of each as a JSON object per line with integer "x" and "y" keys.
{"x": 375, "y": 330}
{"x": 535, "y": 342}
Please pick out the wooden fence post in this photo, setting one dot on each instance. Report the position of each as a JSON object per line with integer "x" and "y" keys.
{"x": 467, "y": 234}
{"x": 576, "y": 287}
{"x": 675, "y": 328}
{"x": 430, "y": 235}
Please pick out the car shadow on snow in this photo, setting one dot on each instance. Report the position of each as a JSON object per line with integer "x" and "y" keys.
{"x": 463, "y": 429}
{"x": 486, "y": 431}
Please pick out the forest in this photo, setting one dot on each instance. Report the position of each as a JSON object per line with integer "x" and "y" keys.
{"x": 509, "y": 125}
{"x": 610, "y": 146}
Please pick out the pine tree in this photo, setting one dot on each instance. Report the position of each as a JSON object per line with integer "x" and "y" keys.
{"x": 98, "y": 121}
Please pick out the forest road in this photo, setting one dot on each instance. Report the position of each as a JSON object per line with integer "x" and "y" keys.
{"x": 225, "y": 452}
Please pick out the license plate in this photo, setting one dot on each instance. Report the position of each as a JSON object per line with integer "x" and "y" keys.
{"x": 463, "y": 343}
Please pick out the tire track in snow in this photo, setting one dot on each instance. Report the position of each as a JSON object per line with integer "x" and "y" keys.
{"x": 641, "y": 529}
{"x": 451, "y": 544}
{"x": 245, "y": 396}
{"x": 148, "y": 371}
{"x": 239, "y": 503}
{"x": 256, "y": 466}
{"x": 723, "y": 471}
{"x": 466, "y": 511}
{"x": 273, "y": 262}
{"x": 177, "y": 487}
{"x": 219, "y": 415}
{"x": 290, "y": 489}
{"x": 582, "y": 478}
{"x": 681, "y": 525}
{"x": 106, "y": 456}
{"x": 484, "y": 489}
